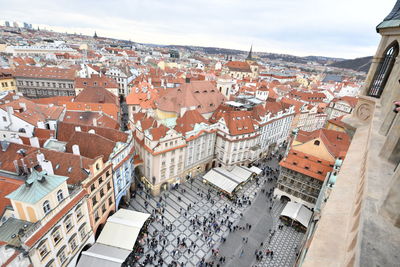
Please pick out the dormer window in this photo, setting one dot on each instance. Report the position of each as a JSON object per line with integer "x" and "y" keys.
{"x": 46, "y": 207}
{"x": 60, "y": 196}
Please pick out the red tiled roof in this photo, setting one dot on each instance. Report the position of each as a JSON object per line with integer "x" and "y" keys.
{"x": 66, "y": 130}
{"x": 91, "y": 145}
{"x": 201, "y": 94}
{"x": 188, "y": 120}
{"x": 238, "y": 66}
{"x": 96, "y": 81}
{"x": 237, "y": 121}
{"x": 45, "y": 73}
{"x": 336, "y": 142}
{"x": 159, "y": 132}
{"x": 7, "y": 185}
{"x": 32, "y": 113}
{"x": 97, "y": 95}
{"x": 307, "y": 164}
{"x": 86, "y": 118}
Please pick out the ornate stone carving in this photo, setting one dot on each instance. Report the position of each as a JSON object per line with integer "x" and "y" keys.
{"x": 364, "y": 111}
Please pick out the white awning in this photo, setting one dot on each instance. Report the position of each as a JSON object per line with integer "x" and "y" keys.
{"x": 243, "y": 172}
{"x": 220, "y": 181}
{"x": 227, "y": 180}
{"x": 256, "y": 170}
{"x": 100, "y": 255}
{"x": 122, "y": 229}
{"x": 297, "y": 212}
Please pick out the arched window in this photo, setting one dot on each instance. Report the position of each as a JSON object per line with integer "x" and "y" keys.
{"x": 60, "y": 196}
{"x": 383, "y": 71}
{"x": 46, "y": 207}
{"x": 316, "y": 142}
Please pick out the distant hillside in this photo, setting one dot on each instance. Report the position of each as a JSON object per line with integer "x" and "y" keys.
{"x": 358, "y": 64}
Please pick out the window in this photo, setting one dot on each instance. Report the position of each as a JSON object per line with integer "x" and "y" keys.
{"x": 46, "y": 207}
{"x": 61, "y": 255}
{"x": 72, "y": 242}
{"x": 103, "y": 208}
{"x": 96, "y": 216}
{"x": 4, "y": 118}
{"x": 43, "y": 251}
{"x": 108, "y": 185}
{"x": 92, "y": 187}
{"x": 110, "y": 201}
{"x": 79, "y": 214}
{"x": 82, "y": 231}
{"x": 68, "y": 224}
{"x": 316, "y": 142}
{"x": 101, "y": 192}
{"x": 56, "y": 236}
{"x": 101, "y": 180}
{"x": 94, "y": 201}
{"x": 60, "y": 196}
{"x": 383, "y": 71}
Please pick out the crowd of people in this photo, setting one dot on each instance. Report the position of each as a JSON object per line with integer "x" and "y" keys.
{"x": 204, "y": 226}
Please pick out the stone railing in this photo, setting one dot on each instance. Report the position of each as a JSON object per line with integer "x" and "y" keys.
{"x": 336, "y": 241}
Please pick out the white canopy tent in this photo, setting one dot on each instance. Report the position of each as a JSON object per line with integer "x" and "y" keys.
{"x": 220, "y": 181}
{"x": 100, "y": 255}
{"x": 116, "y": 240}
{"x": 297, "y": 212}
{"x": 256, "y": 170}
{"x": 228, "y": 180}
{"x": 241, "y": 171}
{"x": 122, "y": 229}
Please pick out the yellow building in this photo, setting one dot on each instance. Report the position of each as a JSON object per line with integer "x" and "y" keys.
{"x": 7, "y": 81}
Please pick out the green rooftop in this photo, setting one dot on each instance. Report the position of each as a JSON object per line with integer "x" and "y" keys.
{"x": 392, "y": 20}
{"x": 12, "y": 229}
{"x": 36, "y": 187}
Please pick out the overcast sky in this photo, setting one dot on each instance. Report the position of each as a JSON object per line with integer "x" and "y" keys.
{"x": 337, "y": 28}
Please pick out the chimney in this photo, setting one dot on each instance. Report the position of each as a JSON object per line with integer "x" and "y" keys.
{"x": 34, "y": 142}
{"x": 148, "y": 95}
{"x": 10, "y": 111}
{"x": 45, "y": 164}
{"x": 77, "y": 128}
{"x": 40, "y": 124}
{"x": 75, "y": 150}
{"x": 4, "y": 145}
{"x": 17, "y": 170}
{"x": 149, "y": 80}
{"x": 22, "y": 105}
{"x": 94, "y": 122}
{"x": 187, "y": 80}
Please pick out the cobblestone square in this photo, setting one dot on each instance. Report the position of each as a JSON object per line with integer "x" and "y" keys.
{"x": 179, "y": 213}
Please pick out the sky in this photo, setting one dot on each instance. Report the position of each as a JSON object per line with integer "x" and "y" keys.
{"x": 335, "y": 28}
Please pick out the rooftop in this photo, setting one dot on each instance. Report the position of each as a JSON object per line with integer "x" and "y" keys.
{"x": 36, "y": 187}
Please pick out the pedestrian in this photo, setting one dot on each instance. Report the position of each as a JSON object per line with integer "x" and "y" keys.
{"x": 241, "y": 253}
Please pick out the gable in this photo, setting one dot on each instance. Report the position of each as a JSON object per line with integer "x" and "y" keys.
{"x": 319, "y": 151}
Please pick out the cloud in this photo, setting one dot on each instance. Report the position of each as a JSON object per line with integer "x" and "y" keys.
{"x": 339, "y": 28}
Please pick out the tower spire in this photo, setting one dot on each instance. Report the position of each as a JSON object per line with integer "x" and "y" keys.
{"x": 250, "y": 57}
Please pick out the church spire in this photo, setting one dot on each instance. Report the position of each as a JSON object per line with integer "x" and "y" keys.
{"x": 95, "y": 35}
{"x": 250, "y": 57}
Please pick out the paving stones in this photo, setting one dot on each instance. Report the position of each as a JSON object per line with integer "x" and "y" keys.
{"x": 283, "y": 242}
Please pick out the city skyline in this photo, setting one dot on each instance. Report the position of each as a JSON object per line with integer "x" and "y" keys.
{"x": 335, "y": 29}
